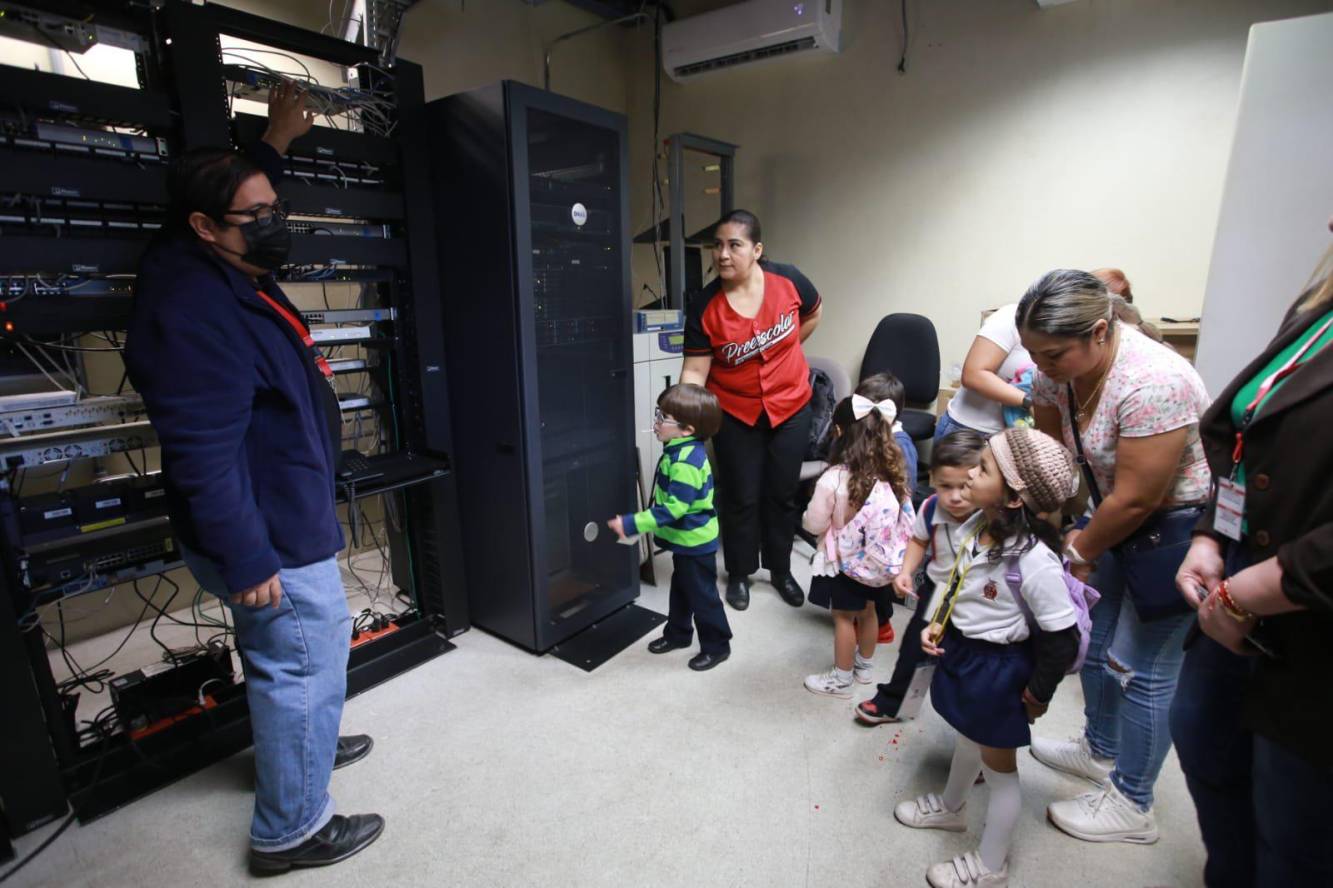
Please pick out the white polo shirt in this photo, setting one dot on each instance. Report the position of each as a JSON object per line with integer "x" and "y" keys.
{"x": 986, "y": 608}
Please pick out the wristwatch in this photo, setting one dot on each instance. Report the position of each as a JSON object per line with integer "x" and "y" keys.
{"x": 1027, "y": 403}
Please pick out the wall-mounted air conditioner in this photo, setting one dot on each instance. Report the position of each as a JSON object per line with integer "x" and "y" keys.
{"x": 752, "y": 31}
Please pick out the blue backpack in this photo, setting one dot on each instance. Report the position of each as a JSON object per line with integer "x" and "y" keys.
{"x": 1081, "y": 596}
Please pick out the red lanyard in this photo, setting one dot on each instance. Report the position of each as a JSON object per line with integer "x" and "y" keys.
{"x": 301, "y": 331}
{"x": 1293, "y": 364}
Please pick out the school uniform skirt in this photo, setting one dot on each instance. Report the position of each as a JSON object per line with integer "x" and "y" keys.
{"x": 978, "y": 689}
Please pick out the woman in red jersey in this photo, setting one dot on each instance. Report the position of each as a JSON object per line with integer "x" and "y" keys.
{"x": 743, "y": 336}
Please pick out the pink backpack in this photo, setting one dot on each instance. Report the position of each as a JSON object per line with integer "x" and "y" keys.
{"x": 876, "y": 538}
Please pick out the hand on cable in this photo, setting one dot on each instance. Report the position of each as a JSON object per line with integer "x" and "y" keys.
{"x": 1201, "y": 570}
{"x": 288, "y": 118}
{"x": 265, "y": 594}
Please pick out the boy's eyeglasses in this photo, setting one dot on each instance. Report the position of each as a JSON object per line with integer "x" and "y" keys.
{"x": 660, "y": 417}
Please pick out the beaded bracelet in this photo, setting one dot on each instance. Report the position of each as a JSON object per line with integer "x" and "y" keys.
{"x": 1235, "y": 611}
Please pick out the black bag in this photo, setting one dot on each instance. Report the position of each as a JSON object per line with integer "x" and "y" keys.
{"x": 1151, "y": 555}
{"x": 822, "y": 402}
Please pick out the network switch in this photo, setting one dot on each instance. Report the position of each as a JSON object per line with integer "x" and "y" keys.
{"x": 338, "y": 229}
{"x": 89, "y": 411}
{"x": 248, "y": 83}
{"x": 340, "y": 334}
{"x": 348, "y": 315}
{"x": 52, "y": 447}
{"x": 36, "y": 400}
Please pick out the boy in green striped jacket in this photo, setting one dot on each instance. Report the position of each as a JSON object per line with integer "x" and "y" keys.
{"x": 682, "y": 517}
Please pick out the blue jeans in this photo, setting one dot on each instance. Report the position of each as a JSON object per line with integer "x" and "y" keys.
{"x": 1128, "y": 681}
{"x": 1261, "y": 808}
{"x": 295, "y": 662}
{"x": 946, "y": 425}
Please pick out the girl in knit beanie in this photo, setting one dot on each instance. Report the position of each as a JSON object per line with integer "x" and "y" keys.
{"x": 1004, "y": 633}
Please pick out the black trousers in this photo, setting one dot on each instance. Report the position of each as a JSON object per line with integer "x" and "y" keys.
{"x": 694, "y": 594}
{"x": 759, "y": 470}
{"x": 890, "y": 696}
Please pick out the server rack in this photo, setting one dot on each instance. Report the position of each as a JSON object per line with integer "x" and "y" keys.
{"x": 533, "y": 211}
{"x": 107, "y": 206}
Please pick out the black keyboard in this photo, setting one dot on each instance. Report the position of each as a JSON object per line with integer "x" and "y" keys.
{"x": 354, "y": 464}
{"x": 388, "y": 469}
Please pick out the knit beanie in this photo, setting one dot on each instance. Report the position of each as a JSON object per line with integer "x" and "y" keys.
{"x": 1038, "y": 467}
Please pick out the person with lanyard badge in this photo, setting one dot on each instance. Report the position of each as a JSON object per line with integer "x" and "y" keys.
{"x": 1254, "y": 710}
{"x": 250, "y": 432}
{"x": 1129, "y": 409}
{"x": 743, "y": 335}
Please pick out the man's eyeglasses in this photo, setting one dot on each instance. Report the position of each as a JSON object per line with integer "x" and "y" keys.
{"x": 264, "y": 214}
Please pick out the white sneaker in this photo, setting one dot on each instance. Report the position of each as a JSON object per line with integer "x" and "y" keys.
{"x": 1072, "y": 756}
{"x": 967, "y": 872}
{"x": 863, "y": 673}
{"x": 1104, "y": 816}
{"x": 928, "y": 812}
{"x": 828, "y": 683}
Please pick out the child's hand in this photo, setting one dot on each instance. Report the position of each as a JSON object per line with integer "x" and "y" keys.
{"x": 618, "y": 525}
{"x": 1035, "y": 708}
{"x": 930, "y": 637}
{"x": 903, "y": 585}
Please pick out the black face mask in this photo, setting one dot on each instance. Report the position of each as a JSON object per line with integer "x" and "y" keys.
{"x": 267, "y": 244}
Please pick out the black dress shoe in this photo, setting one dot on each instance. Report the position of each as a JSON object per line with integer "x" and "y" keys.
{"x": 738, "y": 592}
{"x": 351, "y": 749}
{"x": 340, "y": 838}
{"x": 662, "y": 645}
{"x": 704, "y": 662}
{"x": 790, "y": 590}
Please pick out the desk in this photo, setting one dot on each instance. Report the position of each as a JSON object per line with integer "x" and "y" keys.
{"x": 1183, "y": 336}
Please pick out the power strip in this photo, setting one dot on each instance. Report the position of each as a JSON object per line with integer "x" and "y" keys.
{"x": 365, "y": 636}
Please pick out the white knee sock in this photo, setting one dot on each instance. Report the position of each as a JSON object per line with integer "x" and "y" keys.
{"x": 962, "y": 773}
{"x": 1006, "y": 802}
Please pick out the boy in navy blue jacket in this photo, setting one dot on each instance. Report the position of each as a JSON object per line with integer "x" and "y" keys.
{"x": 682, "y": 517}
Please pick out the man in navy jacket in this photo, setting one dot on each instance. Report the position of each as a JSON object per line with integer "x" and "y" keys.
{"x": 248, "y": 422}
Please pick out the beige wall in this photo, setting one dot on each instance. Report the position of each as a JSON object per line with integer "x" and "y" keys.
{"x": 489, "y": 40}
{"x": 1019, "y": 140}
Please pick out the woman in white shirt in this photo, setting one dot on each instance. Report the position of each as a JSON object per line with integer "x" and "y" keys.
{"x": 995, "y": 358}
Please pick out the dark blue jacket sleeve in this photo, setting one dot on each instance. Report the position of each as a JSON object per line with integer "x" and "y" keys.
{"x": 198, "y": 387}
{"x": 268, "y": 159}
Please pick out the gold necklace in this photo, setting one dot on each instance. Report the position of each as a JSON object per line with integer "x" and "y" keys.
{"x": 1082, "y": 413}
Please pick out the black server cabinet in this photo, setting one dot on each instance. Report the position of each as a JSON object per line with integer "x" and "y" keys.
{"x": 532, "y": 214}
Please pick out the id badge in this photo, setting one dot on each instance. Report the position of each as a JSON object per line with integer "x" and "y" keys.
{"x": 917, "y": 691}
{"x": 1230, "y": 511}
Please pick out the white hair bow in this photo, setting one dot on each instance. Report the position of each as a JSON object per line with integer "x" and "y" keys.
{"x": 861, "y": 407}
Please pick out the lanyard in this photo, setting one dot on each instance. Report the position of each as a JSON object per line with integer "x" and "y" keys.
{"x": 1293, "y": 364}
{"x": 301, "y": 332}
{"x": 956, "y": 579}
